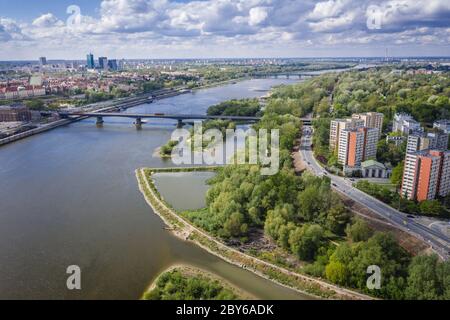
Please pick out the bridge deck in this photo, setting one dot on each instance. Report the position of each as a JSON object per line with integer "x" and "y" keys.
{"x": 179, "y": 117}
{"x": 160, "y": 116}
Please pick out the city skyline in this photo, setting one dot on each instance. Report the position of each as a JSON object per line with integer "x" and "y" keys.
{"x": 137, "y": 29}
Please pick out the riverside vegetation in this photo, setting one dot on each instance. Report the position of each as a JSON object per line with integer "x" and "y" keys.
{"x": 188, "y": 283}
{"x": 303, "y": 216}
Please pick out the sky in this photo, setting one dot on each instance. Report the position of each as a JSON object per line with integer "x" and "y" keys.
{"x": 69, "y": 29}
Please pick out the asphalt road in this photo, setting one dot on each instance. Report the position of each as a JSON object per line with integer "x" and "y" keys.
{"x": 438, "y": 241}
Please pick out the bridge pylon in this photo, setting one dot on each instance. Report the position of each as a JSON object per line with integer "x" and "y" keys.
{"x": 138, "y": 123}
{"x": 99, "y": 121}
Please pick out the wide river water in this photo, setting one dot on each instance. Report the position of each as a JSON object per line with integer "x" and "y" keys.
{"x": 70, "y": 197}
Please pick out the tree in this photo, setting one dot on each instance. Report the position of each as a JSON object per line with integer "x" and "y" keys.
{"x": 337, "y": 219}
{"x": 234, "y": 226}
{"x": 431, "y": 207}
{"x": 306, "y": 240}
{"x": 359, "y": 231}
{"x": 337, "y": 272}
{"x": 35, "y": 104}
{"x": 310, "y": 203}
{"x": 397, "y": 175}
{"x": 423, "y": 282}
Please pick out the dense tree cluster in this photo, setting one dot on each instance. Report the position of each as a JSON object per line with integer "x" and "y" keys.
{"x": 425, "y": 97}
{"x": 244, "y": 107}
{"x": 175, "y": 285}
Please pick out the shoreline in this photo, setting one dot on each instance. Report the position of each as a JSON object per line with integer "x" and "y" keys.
{"x": 183, "y": 229}
{"x": 190, "y": 270}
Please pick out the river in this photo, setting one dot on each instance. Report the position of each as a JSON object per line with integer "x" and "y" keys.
{"x": 69, "y": 197}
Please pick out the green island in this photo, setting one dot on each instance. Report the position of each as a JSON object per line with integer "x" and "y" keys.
{"x": 190, "y": 283}
{"x": 293, "y": 229}
{"x": 244, "y": 107}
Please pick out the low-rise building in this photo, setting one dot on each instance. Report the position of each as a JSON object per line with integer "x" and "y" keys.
{"x": 374, "y": 169}
{"x": 14, "y": 113}
{"x": 443, "y": 125}
{"x": 397, "y": 140}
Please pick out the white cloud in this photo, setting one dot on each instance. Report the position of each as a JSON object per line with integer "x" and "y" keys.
{"x": 257, "y": 15}
{"x": 227, "y": 25}
{"x": 328, "y": 9}
{"x": 46, "y": 21}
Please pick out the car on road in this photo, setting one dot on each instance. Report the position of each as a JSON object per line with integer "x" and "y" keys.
{"x": 334, "y": 184}
{"x": 411, "y": 216}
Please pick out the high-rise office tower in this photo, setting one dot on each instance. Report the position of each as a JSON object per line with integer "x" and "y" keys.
{"x": 90, "y": 61}
{"x": 103, "y": 63}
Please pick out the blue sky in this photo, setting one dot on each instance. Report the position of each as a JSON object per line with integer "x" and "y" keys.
{"x": 223, "y": 28}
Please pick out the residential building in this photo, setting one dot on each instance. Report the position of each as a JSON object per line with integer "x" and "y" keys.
{"x": 14, "y": 113}
{"x": 357, "y": 145}
{"x": 90, "y": 61}
{"x": 341, "y": 124}
{"x": 371, "y": 120}
{"x": 437, "y": 139}
{"x": 21, "y": 92}
{"x": 375, "y": 169}
{"x": 405, "y": 124}
{"x": 397, "y": 140}
{"x": 426, "y": 175}
{"x": 443, "y": 125}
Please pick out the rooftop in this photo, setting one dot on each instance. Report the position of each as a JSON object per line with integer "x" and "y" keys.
{"x": 372, "y": 163}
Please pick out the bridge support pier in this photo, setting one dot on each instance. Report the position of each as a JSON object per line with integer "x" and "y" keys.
{"x": 138, "y": 123}
{"x": 99, "y": 121}
{"x": 180, "y": 124}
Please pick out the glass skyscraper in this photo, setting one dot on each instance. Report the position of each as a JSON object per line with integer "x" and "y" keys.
{"x": 90, "y": 61}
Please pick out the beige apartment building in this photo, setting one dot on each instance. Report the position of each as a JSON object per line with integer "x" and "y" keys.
{"x": 338, "y": 125}
{"x": 371, "y": 120}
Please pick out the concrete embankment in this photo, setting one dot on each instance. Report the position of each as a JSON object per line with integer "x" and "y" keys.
{"x": 41, "y": 129}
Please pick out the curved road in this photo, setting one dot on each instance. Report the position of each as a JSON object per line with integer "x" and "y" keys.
{"x": 438, "y": 241}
